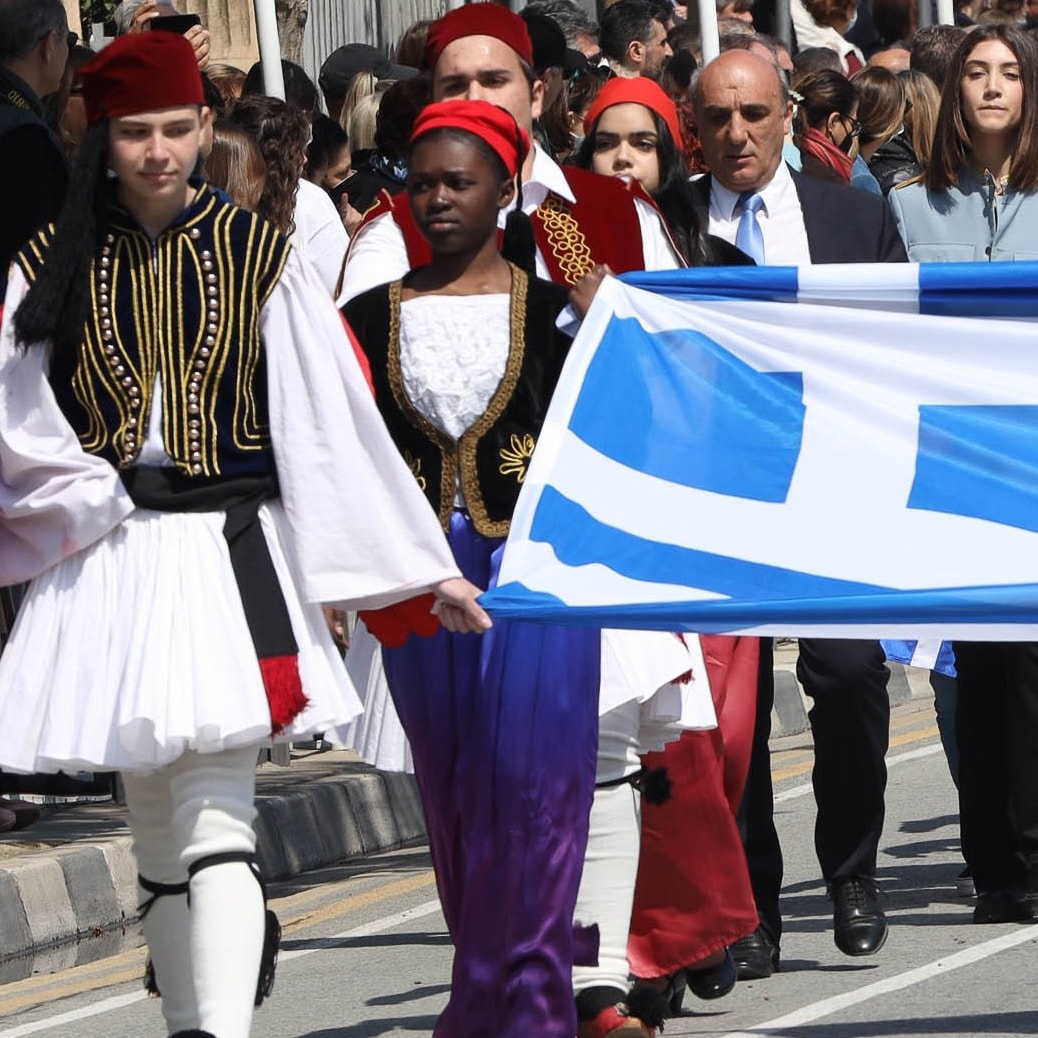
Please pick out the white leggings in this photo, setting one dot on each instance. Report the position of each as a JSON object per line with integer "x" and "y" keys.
{"x": 606, "y": 895}
{"x": 205, "y": 946}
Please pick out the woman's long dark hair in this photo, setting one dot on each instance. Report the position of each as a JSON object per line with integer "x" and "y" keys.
{"x": 56, "y": 307}
{"x": 673, "y": 196}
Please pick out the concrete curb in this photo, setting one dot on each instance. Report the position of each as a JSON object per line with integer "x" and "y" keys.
{"x": 50, "y": 898}
{"x": 309, "y": 817}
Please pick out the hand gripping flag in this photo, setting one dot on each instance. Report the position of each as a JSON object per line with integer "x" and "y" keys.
{"x": 845, "y": 451}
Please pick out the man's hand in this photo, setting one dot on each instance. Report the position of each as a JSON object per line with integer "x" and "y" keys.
{"x": 351, "y": 218}
{"x": 199, "y": 39}
{"x": 457, "y": 608}
{"x": 145, "y": 13}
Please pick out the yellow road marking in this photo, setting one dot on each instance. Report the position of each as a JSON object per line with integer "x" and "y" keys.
{"x": 129, "y": 966}
{"x": 804, "y": 768}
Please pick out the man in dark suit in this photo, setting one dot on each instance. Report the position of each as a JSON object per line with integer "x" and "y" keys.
{"x": 753, "y": 199}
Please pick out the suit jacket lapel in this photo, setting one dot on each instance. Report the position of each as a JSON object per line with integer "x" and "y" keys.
{"x": 820, "y": 238}
{"x": 701, "y": 201}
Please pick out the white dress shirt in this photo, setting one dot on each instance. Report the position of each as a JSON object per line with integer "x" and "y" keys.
{"x": 378, "y": 253}
{"x": 780, "y": 218}
{"x": 319, "y": 235}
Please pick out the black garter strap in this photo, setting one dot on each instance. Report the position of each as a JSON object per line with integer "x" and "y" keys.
{"x": 157, "y": 890}
{"x": 654, "y": 784}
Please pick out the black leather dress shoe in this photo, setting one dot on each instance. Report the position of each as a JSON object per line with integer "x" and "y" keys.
{"x": 1000, "y": 906}
{"x": 714, "y": 981}
{"x": 860, "y": 927}
{"x": 756, "y": 957}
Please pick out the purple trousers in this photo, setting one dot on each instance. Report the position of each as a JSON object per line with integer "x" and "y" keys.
{"x": 504, "y": 730}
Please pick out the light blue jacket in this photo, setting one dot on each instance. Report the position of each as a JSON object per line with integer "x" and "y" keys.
{"x": 967, "y": 222}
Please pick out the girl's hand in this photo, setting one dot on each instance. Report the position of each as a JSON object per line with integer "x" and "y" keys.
{"x": 583, "y": 292}
{"x": 457, "y": 608}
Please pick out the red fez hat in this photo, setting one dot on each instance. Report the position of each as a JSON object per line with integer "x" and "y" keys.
{"x": 491, "y": 123}
{"x": 639, "y": 91}
{"x": 482, "y": 19}
{"x": 141, "y": 72}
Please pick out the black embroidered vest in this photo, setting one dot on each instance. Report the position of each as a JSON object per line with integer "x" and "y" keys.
{"x": 491, "y": 458}
{"x": 185, "y": 309}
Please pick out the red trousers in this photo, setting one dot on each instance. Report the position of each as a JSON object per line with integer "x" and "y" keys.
{"x": 693, "y": 895}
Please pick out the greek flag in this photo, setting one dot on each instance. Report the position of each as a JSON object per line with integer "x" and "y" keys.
{"x": 844, "y": 451}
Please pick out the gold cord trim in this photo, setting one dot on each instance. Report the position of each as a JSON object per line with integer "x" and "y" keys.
{"x": 469, "y": 441}
{"x": 565, "y": 239}
{"x": 448, "y": 460}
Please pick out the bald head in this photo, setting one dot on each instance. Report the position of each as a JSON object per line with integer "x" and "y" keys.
{"x": 897, "y": 59}
{"x": 743, "y": 114}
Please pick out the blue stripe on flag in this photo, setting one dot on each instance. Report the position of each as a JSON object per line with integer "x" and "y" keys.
{"x": 979, "y": 289}
{"x": 578, "y": 539}
{"x": 998, "y": 604}
{"x": 678, "y": 406}
{"x": 979, "y": 461}
{"x": 778, "y": 284}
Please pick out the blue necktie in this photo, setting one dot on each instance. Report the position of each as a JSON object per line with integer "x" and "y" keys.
{"x": 749, "y": 237}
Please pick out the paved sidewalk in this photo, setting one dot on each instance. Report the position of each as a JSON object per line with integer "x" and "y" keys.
{"x": 72, "y": 874}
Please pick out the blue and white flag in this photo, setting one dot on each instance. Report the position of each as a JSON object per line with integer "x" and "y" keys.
{"x": 828, "y": 450}
{"x": 930, "y": 654}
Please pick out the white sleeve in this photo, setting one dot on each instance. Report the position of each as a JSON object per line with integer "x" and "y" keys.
{"x": 364, "y": 534}
{"x": 320, "y": 235}
{"x": 656, "y": 247}
{"x": 55, "y": 499}
{"x": 377, "y": 256}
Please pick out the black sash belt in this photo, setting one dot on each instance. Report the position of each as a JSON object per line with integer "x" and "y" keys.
{"x": 266, "y": 614}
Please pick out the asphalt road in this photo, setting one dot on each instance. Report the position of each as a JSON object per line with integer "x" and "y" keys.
{"x": 365, "y": 953}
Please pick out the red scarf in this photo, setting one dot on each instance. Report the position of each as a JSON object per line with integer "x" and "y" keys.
{"x": 823, "y": 149}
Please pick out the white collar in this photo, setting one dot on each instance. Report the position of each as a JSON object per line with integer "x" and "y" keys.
{"x": 724, "y": 201}
{"x": 549, "y": 175}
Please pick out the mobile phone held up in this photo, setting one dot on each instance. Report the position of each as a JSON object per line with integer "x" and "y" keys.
{"x": 178, "y": 23}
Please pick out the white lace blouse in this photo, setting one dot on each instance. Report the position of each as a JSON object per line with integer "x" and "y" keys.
{"x": 453, "y": 354}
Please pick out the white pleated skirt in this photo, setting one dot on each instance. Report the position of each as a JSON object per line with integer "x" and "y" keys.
{"x": 136, "y": 649}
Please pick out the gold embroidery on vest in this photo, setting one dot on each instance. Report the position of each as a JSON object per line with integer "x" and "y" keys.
{"x": 565, "y": 239}
{"x": 415, "y": 465}
{"x": 121, "y": 360}
{"x": 514, "y": 458}
{"x": 448, "y": 448}
{"x": 469, "y": 441}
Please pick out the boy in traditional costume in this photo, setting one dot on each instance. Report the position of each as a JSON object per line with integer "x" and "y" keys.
{"x": 190, "y": 464}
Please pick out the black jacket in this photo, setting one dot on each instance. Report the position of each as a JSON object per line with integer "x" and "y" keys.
{"x": 33, "y": 170}
{"x": 843, "y": 225}
{"x": 894, "y": 162}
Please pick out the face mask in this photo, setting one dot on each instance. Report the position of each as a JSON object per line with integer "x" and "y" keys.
{"x": 577, "y": 141}
{"x": 852, "y": 22}
{"x": 846, "y": 144}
